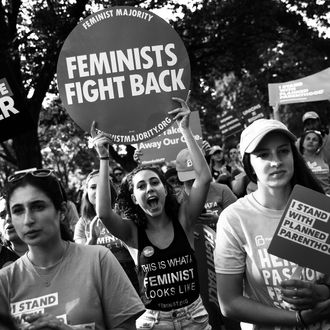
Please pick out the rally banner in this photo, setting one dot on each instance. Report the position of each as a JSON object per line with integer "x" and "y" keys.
{"x": 13, "y": 120}
{"x": 315, "y": 87}
{"x": 302, "y": 235}
{"x": 121, "y": 67}
{"x": 204, "y": 247}
{"x": 165, "y": 147}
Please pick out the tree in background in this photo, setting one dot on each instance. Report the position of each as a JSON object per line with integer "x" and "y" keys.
{"x": 236, "y": 48}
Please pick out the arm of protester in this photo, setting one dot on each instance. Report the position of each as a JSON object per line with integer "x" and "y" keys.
{"x": 124, "y": 230}
{"x": 234, "y": 305}
{"x": 276, "y": 112}
{"x": 203, "y": 178}
{"x": 228, "y": 197}
{"x": 208, "y": 217}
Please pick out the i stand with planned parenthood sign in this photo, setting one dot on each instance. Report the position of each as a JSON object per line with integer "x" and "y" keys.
{"x": 302, "y": 235}
{"x": 121, "y": 67}
{"x": 315, "y": 87}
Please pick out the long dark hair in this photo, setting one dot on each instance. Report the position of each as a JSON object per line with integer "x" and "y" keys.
{"x": 302, "y": 174}
{"x": 51, "y": 187}
{"x": 87, "y": 209}
{"x": 133, "y": 211}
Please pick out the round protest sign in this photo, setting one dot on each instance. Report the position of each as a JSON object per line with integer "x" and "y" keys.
{"x": 121, "y": 67}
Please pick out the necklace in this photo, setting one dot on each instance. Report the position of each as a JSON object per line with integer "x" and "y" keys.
{"x": 46, "y": 274}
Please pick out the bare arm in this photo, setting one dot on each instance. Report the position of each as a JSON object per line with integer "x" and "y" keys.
{"x": 234, "y": 305}
{"x": 203, "y": 178}
{"x": 124, "y": 230}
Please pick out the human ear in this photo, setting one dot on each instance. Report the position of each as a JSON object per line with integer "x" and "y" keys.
{"x": 134, "y": 199}
{"x": 63, "y": 211}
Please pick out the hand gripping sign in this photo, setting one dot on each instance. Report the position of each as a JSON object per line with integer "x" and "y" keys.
{"x": 121, "y": 67}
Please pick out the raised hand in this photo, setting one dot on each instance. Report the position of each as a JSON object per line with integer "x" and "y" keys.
{"x": 181, "y": 115}
{"x": 100, "y": 140}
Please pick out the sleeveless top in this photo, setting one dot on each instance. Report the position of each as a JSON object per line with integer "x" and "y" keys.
{"x": 168, "y": 277}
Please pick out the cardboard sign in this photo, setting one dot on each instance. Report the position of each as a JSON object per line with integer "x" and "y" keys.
{"x": 13, "y": 121}
{"x": 204, "y": 247}
{"x": 121, "y": 67}
{"x": 230, "y": 125}
{"x": 315, "y": 87}
{"x": 302, "y": 235}
{"x": 165, "y": 147}
{"x": 253, "y": 113}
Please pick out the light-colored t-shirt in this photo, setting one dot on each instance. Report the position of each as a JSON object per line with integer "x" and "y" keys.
{"x": 244, "y": 232}
{"x": 321, "y": 170}
{"x": 89, "y": 288}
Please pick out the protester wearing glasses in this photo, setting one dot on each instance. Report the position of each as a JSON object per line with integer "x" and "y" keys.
{"x": 90, "y": 230}
{"x": 117, "y": 177}
{"x": 160, "y": 232}
{"x": 253, "y": 285}
{"x": 58, "y": 284}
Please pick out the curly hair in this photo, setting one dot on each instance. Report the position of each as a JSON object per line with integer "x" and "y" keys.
{"x": 302, "y": 174}
{"x": 134, "y": 212}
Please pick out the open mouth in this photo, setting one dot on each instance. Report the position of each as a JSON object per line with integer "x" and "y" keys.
{"x": 152, "y": 201}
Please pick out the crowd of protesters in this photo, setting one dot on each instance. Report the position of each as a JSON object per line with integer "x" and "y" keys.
{"x": 127, "y": 259}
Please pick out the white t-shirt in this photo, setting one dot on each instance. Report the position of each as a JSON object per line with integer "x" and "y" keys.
{"x": 244, "y": 232}
{"x": 89, "y": 288}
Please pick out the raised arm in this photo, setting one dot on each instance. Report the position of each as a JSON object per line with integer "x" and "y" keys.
{"x": 124, "y": 230}
{"x": 203, "y": 178}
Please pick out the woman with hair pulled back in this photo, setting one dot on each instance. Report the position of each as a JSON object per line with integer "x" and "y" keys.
{"x": 160, "y": 233}
{"x": 57, "y": 284}
{"x": 253, "y": 285}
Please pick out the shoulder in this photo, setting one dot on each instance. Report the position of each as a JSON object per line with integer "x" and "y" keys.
{"x": 219, "y": 187}
{"x": 90, "y": 253}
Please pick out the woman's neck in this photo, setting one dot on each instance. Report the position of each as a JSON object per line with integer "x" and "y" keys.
{"x": 309, "y": 154}
{"x": 45, "y": 256}
{"x": 19, "y": 248}
{"x": 157, "y": 223}
{"x": 272, "y": 198}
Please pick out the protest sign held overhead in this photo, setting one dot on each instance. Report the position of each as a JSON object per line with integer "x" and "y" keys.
{"x": 302, "y": 235}
{"x": 166, "y": 146}
{"x": 13, "y": 121}
{"x": 315, "y": 87}
{"x": 121, "y": 67}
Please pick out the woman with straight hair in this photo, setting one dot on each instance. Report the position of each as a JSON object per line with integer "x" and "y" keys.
{"x": 57, "y": 284}
{"x": 253, "y": 285}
